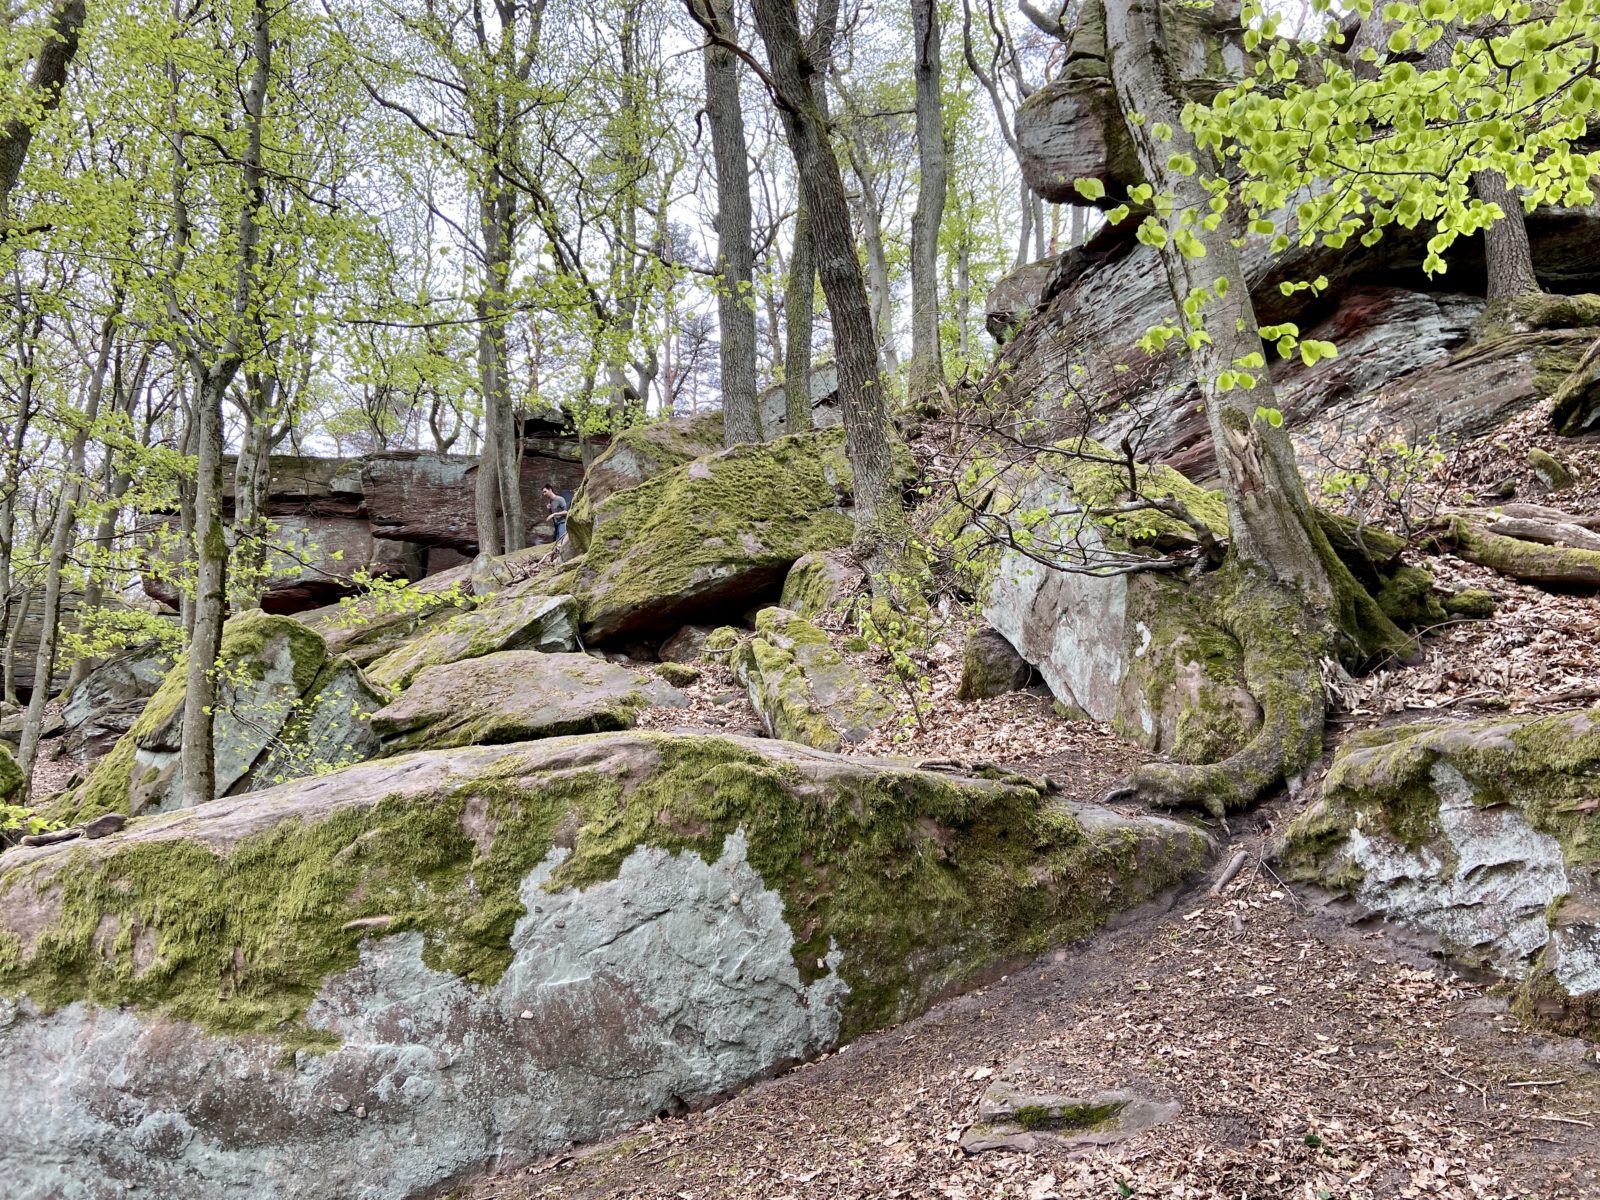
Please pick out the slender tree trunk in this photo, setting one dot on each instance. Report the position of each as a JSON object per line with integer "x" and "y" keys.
{"x": 1290, "y": 597}
{"x": 882, "y": 298}
{"x": 927, "y": 364}
{"x": 1025, "y": 234}
{"x": 880, "y": 517}
{"x": 197, "y": 758}
{"x": 61, "y": 539}
{"x": 741, "y": 420}
{"x": 251, "y": 484}
{"x": 799, "y": 315}
{"x": 1507, "y": 254}
{"x": 44, "y": 95}
{"x": 19, "y": 618}
{"x": 498, "y": 497}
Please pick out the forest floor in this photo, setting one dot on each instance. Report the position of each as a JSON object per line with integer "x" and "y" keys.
{"x": 1315, "y": 1055}
{"x": 1313, "y": 1058}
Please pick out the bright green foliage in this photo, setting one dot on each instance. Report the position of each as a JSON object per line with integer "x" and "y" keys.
{"x": 1354, "y": 153}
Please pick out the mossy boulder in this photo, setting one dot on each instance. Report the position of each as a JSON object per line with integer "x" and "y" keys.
{"x": 991, "y": 666}
{"x": 381, "y": 980}
{"x": 685, "y": 645}
{"x": 1484, "y": 833}
{"x": 284, "y": 709}
{"x": 1140, "y": 651}
{"x": 802, "y": 688}
{"x": 636, "y": 455}
{"x": 677, "y": 674}
{"x": 712, "y": 537}
{"x": 1476, "y": 604}
{"x": 521, "y": 617}
{"x": 1550, "y": 470}
{"x": 820, "y": 582}
{"x": 10, "y": 775}
{"x": 517, "y": 695}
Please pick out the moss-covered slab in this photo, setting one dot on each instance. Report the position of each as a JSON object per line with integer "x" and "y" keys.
{"x": 636, "y": 455}
{"x": 10, "y": 774}
{"x": 271, "y": 700}
{"x": 1487, "y": 834}
{"x": 714, "y": 536}
{"x": 517, "y": 695}
{"x": 802, "y": 688}
{"x": 522, "y": 617}
{"x": 381, "y": 979}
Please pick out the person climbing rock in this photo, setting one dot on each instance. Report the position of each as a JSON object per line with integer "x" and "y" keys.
{"x": 560, "y": 502}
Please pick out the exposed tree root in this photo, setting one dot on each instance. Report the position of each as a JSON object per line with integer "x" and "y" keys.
{"x": 1561, "y": 566}
{"x": 1284, "y": 638}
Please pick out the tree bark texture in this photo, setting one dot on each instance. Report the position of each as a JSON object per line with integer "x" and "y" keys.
{"x": 741, "y": 421}
{"x": 799, "y": 312}
{"x": 1506, "y": 252}
{"x": 44, "y": 85}
{"x": 927, "y": 365}
{"x": 880, "y": 518}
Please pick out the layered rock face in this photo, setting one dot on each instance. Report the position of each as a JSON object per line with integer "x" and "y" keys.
{"x": 286, "y": 708}
{"x": 1481, "y": 833}
{"x": 474, "y": 957}
{"x": 1417, "y": 356}
{"x": 400, "y": 513}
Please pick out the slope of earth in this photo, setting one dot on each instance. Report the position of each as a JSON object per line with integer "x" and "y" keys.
{"x": 1311, "y": 1060}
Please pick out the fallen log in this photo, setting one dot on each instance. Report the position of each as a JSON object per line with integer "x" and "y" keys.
{"x": 1546, "y": 533}
{"x": 1531, "y": 562}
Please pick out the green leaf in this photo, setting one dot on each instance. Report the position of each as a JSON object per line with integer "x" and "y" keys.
{"x": 1089, "y": 189}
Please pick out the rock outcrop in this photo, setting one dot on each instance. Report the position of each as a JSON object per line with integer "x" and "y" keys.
{"x": 991, "y": 666}
{"x": 802, "y": 688}
{"x": 517, "y": 695}
{"x": 285, "y": 708}
{"x": 520, "y": 617}
{"x": 1482, "y": 833}
{"x": 709, "y": 539}
{"x": 103, "y": 706}
{"x": 475, "y": 957}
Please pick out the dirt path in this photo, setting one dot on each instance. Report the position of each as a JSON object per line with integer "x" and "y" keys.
{"x": 1312, "y": 1060}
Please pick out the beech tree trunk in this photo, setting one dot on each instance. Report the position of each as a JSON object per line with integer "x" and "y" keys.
{"x": 927, "y": 365}
{"x": 197, "y": 758}
{"x": 1507, "y": 254}
{"x": 497, "y": 497}
{"x": 61, "y": 539}
{"x": 1291, "y": 597}
{"x": 799, "y": 304}
{"x": 741, "y": 421}
{"x": 880, "y": 518}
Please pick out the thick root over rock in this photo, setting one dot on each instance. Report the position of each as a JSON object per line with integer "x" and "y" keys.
{"x": 1285, "y": 639}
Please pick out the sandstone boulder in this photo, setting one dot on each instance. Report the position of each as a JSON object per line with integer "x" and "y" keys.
{"x": 1481, "y": 833}
{"x": 991, "y": 666}
{"x": 824, "y": 392}
{"x": 519, "y": 618}
{"x": 517, "y": 695}
{"x": 685, "y": 645}
{"x": 10, "y": 775}
{"x": 285, "y": 708}
{"x": 642, "y": 453}
{"x": 802, "y": 688}
{"x": 708, "y": 539}
{"x": 105, "y": 703}
{"x": 820, "y": 581}
{"x": 469, "y": 959}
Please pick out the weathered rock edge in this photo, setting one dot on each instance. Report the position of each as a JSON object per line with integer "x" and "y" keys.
{"x": 1482, "y": 833}
{"x": 325, "y": 988}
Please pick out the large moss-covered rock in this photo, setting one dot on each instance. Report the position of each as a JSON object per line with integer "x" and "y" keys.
{"x": 636, "y": 455}
{"x": 713, "y": 536}
{"x": 802, "y": 688}
{"x": 1139, "y": 651}
{"x": 821, "y": 581}
{"x": 1484, "y": 833}
{"x": 284, "y": 709}
{"x": 517, "y": 695}
{"x": 381, "y": 980}
{"x": 521, "y": 617}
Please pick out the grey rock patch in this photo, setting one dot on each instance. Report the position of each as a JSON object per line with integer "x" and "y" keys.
{"x": 669, "y": 985}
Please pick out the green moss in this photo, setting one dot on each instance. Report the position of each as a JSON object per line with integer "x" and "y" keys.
{"x": 1077, "y": 1117}
{"x": 781, "y": 694}
{"x": 672, "y": 537}
{"x": 1477, "y": 604}
{"x": 1407, "y": 598}
{"x": 814, "y": 585}
{"x": 677, "y": 674}
{"x": 722, "y": 642}
{"x": 10, "y": 774}
{"x": 914, "y": 878}
{"x": 1552, "y": 472}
